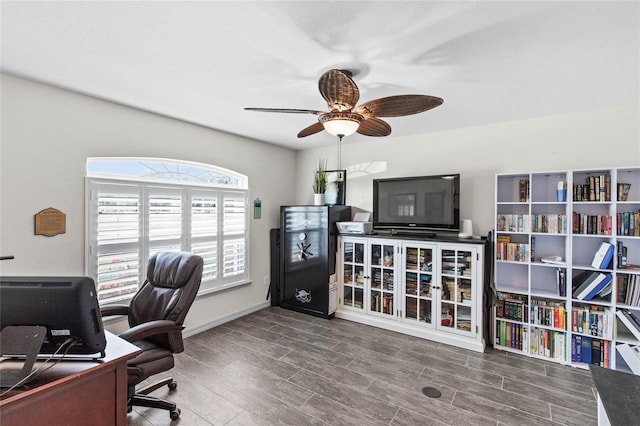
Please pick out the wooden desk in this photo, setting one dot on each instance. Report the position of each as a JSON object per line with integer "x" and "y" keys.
{"x": 74, "y": 392}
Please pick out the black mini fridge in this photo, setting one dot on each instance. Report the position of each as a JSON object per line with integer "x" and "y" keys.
{"x": 308, "y": 246}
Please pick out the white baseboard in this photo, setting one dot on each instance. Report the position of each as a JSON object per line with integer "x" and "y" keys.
{"x": 474, "y": 344}
{"x": 191, "y": 331}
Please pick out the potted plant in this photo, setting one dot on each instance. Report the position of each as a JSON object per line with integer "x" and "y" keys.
{"x": 319, "y": 182}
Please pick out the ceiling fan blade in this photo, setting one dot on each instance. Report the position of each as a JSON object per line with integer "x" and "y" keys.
{"x": 339, "y": 90}
{"x": 396, "y": 106}
{"x": 313, "y": 129}
{"x": 288, "y": 110}
{"x": 373, "y": 126}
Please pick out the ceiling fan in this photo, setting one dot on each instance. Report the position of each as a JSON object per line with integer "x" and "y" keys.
{"x": 344, "y": 117}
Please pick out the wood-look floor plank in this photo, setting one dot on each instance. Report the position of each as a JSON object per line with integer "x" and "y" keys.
{"x": 334, "y": 413}
{"x": 280, "y": 367}
{"x": 434, "y": 408}
{"x": 361, "y": 401}
{"x": 506, "y": 414}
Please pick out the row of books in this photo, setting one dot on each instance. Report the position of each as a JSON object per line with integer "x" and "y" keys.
{"x": 513, "y": 222}
{"x": 418, "y": 259}
{"x": 411, "y": 287}
{"x": 549, "y": 223}
{"x": 547, "y": 343}
{"x": 548, "y": 313}
{"x": 382, "y": 304}
{"x": 591, "y": 224}
{"x": 511, "y": 335}
{"x": 596, "y": 188}
{"x": 628, "y": 223}
{"x": 513, "y": 307}
{"x": 629, "y": 289}
{"x": 514, "y": 252}
{"x": 592, "y": 320}
{"x": 590, "y": 350}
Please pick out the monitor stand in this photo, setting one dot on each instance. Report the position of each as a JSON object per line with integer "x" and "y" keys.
{"x": 20, "y": 340}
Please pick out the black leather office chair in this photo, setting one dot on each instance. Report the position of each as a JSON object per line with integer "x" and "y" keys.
{"x": 156, "y": 314}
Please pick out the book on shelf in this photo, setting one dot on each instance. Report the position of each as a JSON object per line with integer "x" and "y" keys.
{"x": 623, "y": 191}
{"x": 630, "y": 321}
{"x": 533, "y": 248}
{"x": 523, "y": 191}
{"x": 582, "y": 280}
{"x": 599, "y": 287}
{"x": 589, "y": 284}
{"x": 607, "y": 290}
{"x": 576, "y": 348}
{"x": 622, "y": 254}
{"x": 561, "y": 281}
{"x": 631, "y": 356}
{"x": 596, "y": 351}
{"x": 603, "y": 256}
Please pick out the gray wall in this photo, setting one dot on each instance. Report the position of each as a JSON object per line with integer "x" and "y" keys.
{"x": 47, "y": 134}
{"x": 603, "y": 138}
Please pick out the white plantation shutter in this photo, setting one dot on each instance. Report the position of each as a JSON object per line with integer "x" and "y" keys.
{"x": 234, "y": 234}
{"x": 164, "y": 219}
{"x": 204, "y": 230}
{"x": 118, "y": 230}
{"x": 129, "y": 220}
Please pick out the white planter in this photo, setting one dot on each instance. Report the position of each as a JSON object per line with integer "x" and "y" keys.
{"x": 318, "y": 199}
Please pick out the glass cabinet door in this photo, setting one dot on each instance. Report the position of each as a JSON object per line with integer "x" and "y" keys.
{"x": 353, "y": 274}
{"x": 418, "y": 282}
{"x": 455, "y": 293}
{"x": 381, "y": 273}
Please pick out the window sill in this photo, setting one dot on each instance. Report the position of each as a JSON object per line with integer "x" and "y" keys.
{"x": 210, "y": 291}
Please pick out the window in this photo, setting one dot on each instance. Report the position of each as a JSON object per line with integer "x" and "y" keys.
{"x": 136, "y": 207}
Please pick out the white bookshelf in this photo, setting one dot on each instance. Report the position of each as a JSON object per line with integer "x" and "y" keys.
{"x": 529, "y": 198}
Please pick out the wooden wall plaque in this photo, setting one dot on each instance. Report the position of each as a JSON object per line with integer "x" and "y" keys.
{"x": 50, "y": 222}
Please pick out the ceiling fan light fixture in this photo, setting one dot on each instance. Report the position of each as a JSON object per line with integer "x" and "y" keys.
{"x": 341, "y": 124}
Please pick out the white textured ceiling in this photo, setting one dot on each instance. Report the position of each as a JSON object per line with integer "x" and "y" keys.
{"x": 205, "y": 61}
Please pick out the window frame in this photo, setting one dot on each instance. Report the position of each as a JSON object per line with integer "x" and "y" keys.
{"x": 188, "y": 191}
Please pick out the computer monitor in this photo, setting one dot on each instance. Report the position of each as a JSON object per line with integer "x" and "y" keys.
{"x": 66, "y": 306}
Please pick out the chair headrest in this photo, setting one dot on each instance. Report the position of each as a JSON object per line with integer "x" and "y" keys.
{"x": 171, "y": 269}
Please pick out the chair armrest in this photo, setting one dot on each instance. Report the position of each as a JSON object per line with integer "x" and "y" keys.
{"x": 151, "y": 328}
{"x": 110, "y": 310}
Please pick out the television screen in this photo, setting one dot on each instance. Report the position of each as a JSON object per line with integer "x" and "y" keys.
{"x": 66, "y": 306}
{"x": 421, "y": 203}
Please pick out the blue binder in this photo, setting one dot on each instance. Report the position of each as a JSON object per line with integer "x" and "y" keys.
{"x": 603, "y": 255}
{"x": 598, "y": 287}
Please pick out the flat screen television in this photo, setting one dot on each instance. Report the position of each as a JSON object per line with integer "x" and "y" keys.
{"x": 66, "y": 306}
{"x": 417, "y": 203}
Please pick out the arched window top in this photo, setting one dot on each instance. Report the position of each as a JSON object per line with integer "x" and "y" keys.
{"x": 164, "y": 170}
